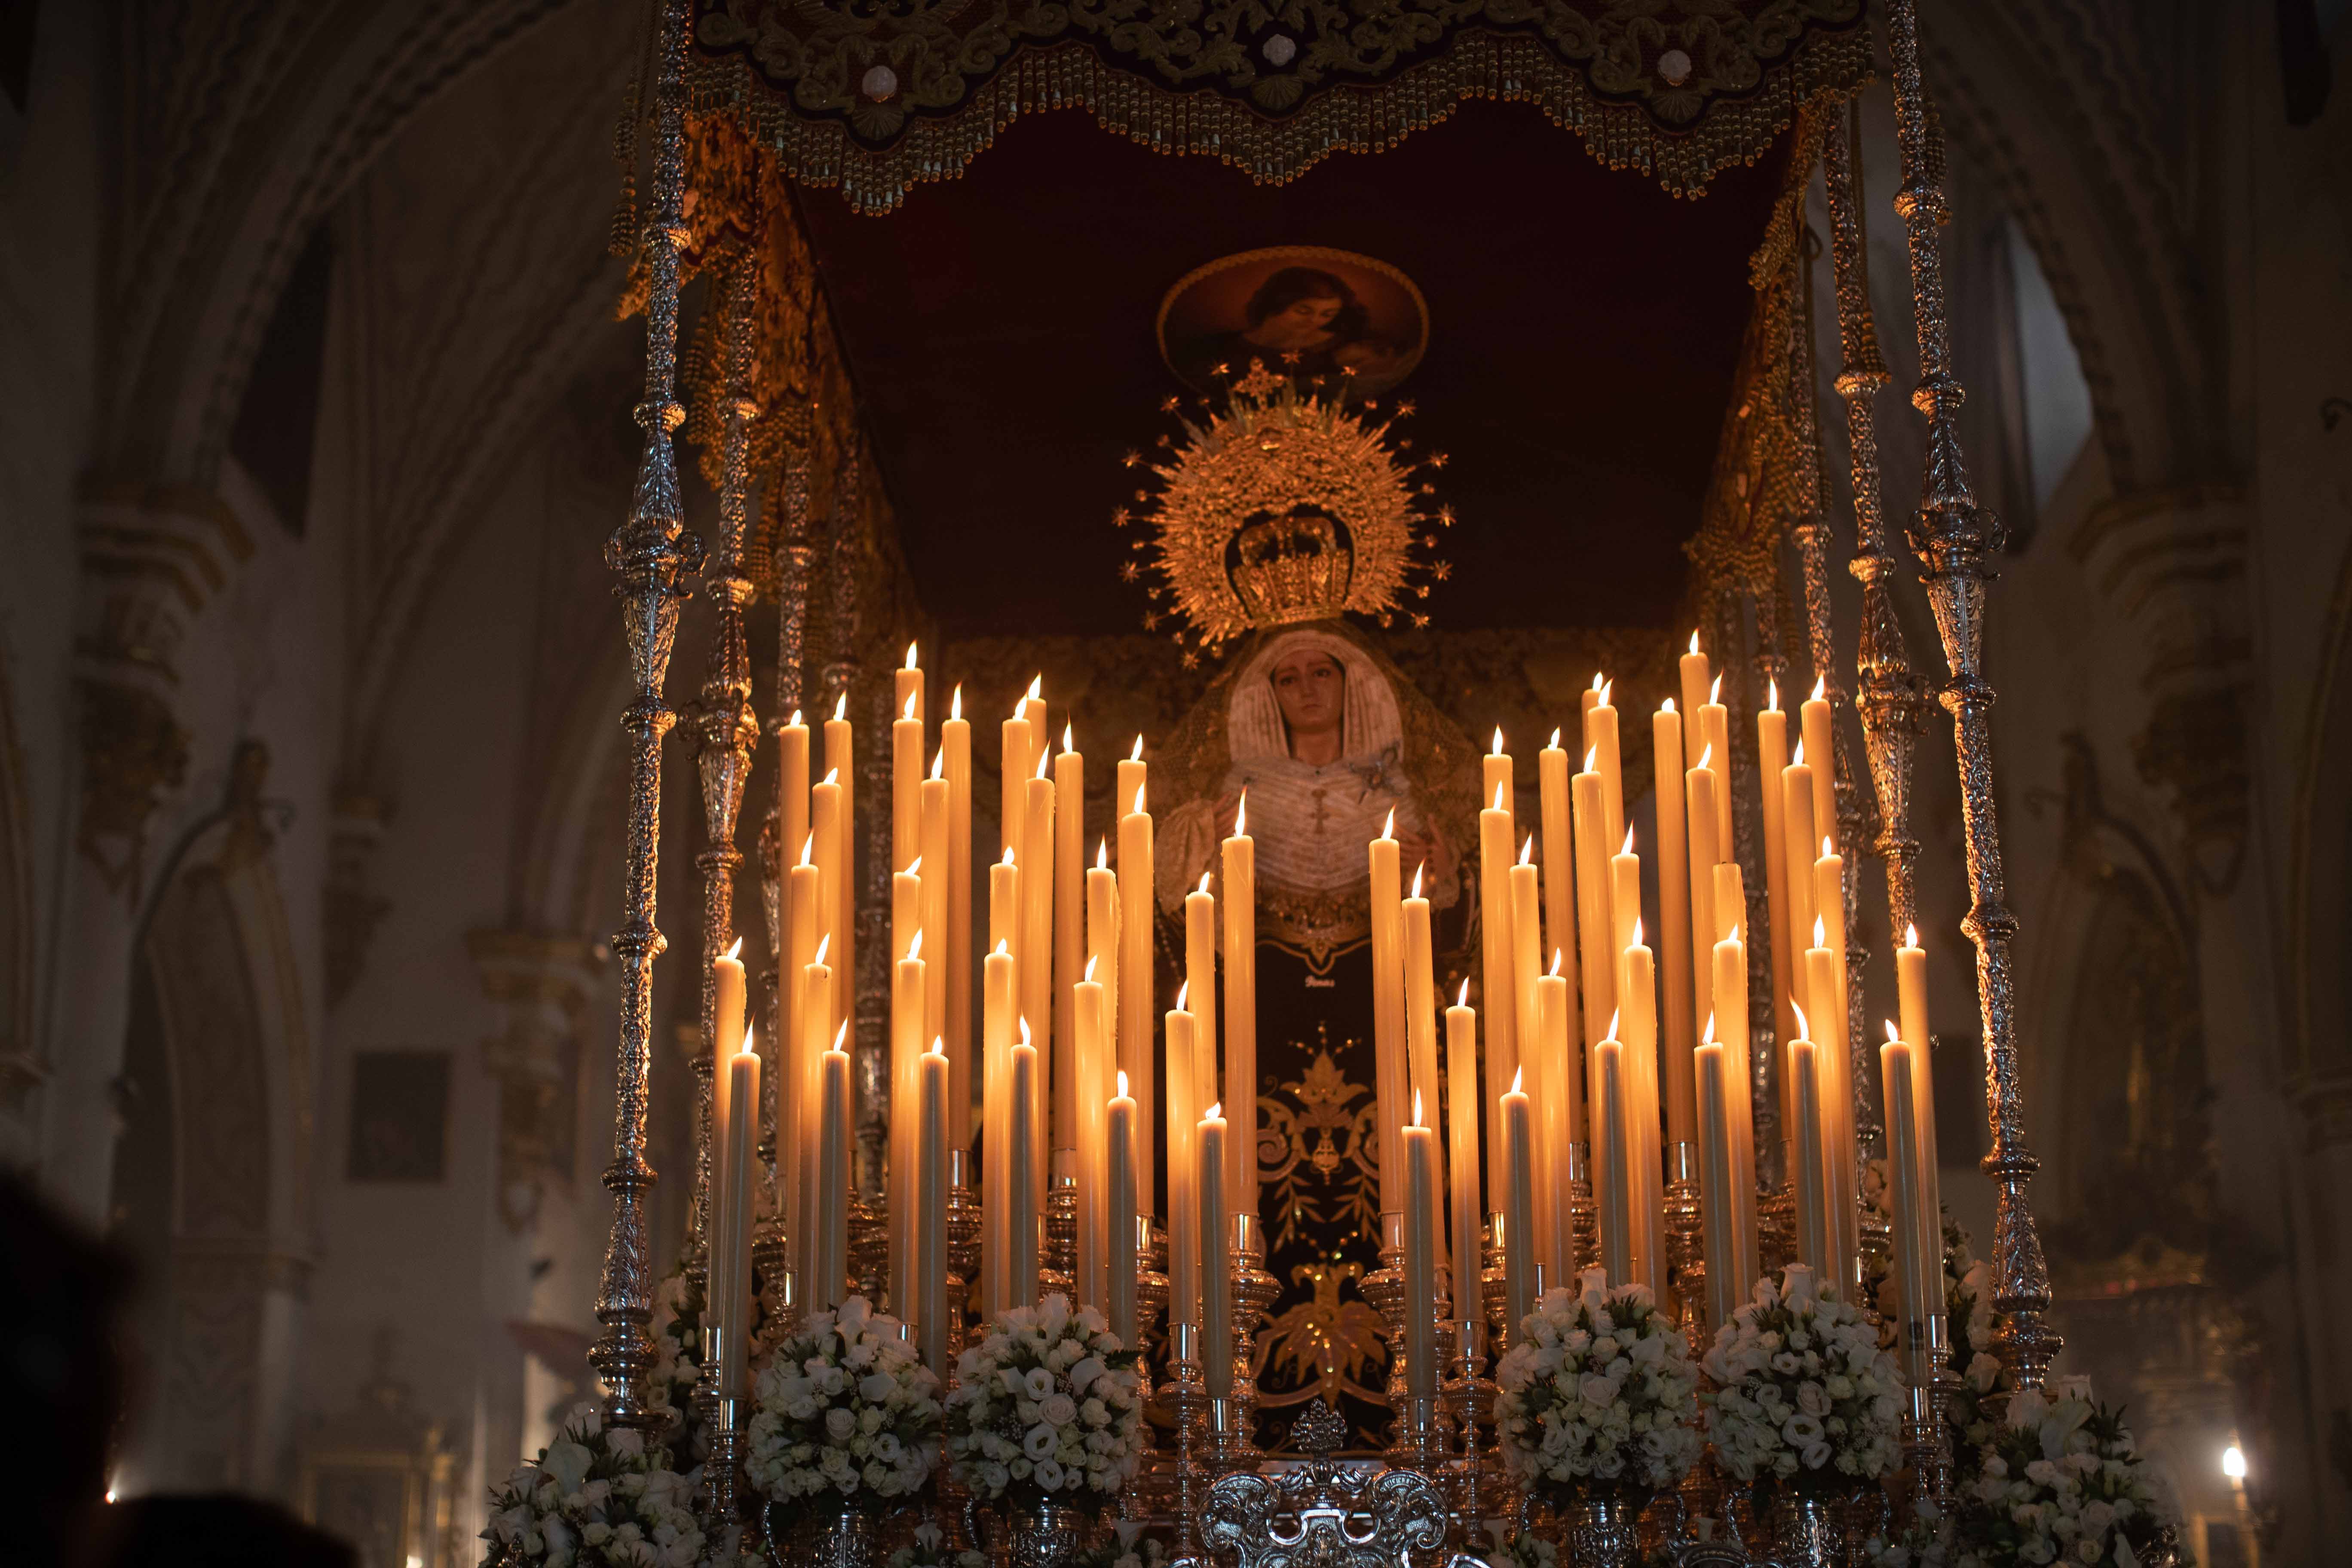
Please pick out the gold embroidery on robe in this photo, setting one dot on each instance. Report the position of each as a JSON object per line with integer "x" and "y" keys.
{"x": 1318, "y": 1158}
{"x": 1324, "y": 1347}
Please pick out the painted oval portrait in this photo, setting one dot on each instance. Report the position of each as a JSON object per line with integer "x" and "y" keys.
{"x": 1325, "y": 318}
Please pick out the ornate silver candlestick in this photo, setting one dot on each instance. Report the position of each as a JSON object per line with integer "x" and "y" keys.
{"x": 1471, "y": 1394}
{"x": 1584, "y": 1221}
{"x": 1185, "y": 1400}
{"x": 1685, "y": 1236}
{"x": 963, "y": 1245}
{"x": 1383, "y": 1290}
{"x": 1057, "y": 1254}
{"x": 869, "y": 1247}
{"x": 1254, "y": 1292}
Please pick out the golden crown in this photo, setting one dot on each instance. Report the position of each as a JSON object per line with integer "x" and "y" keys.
{"x": 1284, "y": 507}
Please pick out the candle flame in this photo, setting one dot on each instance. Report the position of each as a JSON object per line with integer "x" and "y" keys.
{"x": 1637, "y": 932}
{"x": 1008, "y": 855}
{"x": 1002, "y": 948}
{"x": 1555, "y": 738}
{"x": 1707, "y": 1036}
{"x": 1416, "y": 1109}
{"x": 1820, "y": 932}
{"x": 1910, "y": 935}
{"x": 1592, "y": 756}
{"x": 1614, "y": 1014}
{"x": 1518, "y": 1076}
{"x": 795, "y": 720}
{"x": 914, "y": 868}
{"x": 745, "y": 1048}
{"x": 1090, "y": 964}
{"x": 1388, "y": 829}
{"x": 1706, "y": 755}
{"x": 1693, "y": 643}
{"x": 1667, "y": 706}
{"x": 1499, "y": 794}
{"x": 1416, "y": 881}
{"x": 938, "y": 1047}
{"x": 1122, "y": 1083}
{"x": 1827, "y": 848}
{"x": 1067, "y": 743}
{"x": 823, "y": 944}
{"x": 1102, "y": 854}
{"x": 911, "y": 656}
{"x": 915, "y": 946}
{"x": 1204, "y": 883}
{"x": 939, "y": 764}
{"x": 955, "y": 703}
{"x": 841, "y": 707}
{"x": 1527, "y": 849}
{"x": 1804, "y": 1028}
{"x": 1136, "y": 754}
{"x": 1498, "y": 741}
{"x": 808, "y": 845}
{"x": 1241, "y": 813}
{"x": 1140, "y": 793}
{"x": 841, "y": 1035}
{"x": 1608, "y": 690}
{"x": 1216, "y": 1111}
{"x": 1024, "y": 1029}
{"x": 1182, "y": 991}
{"x": 1462, "y": 997}
{"x": 1041, "y": 762}
{"x": 737, "y": 950}
{"x": 1036, "y": 688}
{"x": 1554, "y": 970}
{"x": 1821, "y": 687}
{"x": 1797, "y": 757}
{"x": 1627, "y": 849}
{"x": 1891, "y": 1033}
{"x": 1714, "y": 692}
{"x": 832, "y": 776}
{"x": 1596, "y": 681}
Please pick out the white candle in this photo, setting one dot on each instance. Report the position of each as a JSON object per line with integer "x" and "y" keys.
{"x": 1091, "y": 1028}
{"x": 1798, "y": 843}
{"x": 1216, "y": 1261}
{"x": 1420, "y": 1011}
{"x": 1462, "y": 1121}
{"x": 1560, "y": 1115}
{"x": 955, "y": 747}
{"x": 1600, "y": 739}
{"x": 1559, "y": 863}
{"x": 1069, "y": 938}
{"x": 937, "y": 881}
{"x": 796, "y": 1064}
{"x": 1119, "y": 1301}
{"x": 840, "y": 770}
{"x": 1183, "y": 1119}
{"x": 1806, "y": 1178}
{"x": 1420, "y": 1255}
{"x": 906, "y": 769}
{"x": 1200, "y": 985}
{"x": 830, "y": 1274}
{"x": 1388, "y": 1014}
{"x": 1919, "y": 1262}
{"x": 999, "y": 1012}
{"x": 1814, "y": 723}
{"x": 1499, "y": 985}
{"x": 931, "y": 1210}
{"x": 1637, "y": 994}
{"x": 1520, "y": 1248}
{"x": 1526, "y": 969}
{"x": 1134, "y": 999}
{"x": 1611, "y": 1163}
{"x": 1718, "y": 1196}
{"x": 731, "y": 1242}
{"x": 1240, "y": 886}
{"x": 1679, "y": 1032}
{"x": 1772, "y": 757}
{"x": 1033, "y": 952}
{"x": 1592, "y": 903}
{"x": 906, "y": 984}
{"x": 817, "y": 1033}
{"x": 1705, "y": 854}
{"x": 1020, "y": 1177}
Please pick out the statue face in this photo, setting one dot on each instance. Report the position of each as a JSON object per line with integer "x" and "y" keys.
{"x": 1311, "y": 688}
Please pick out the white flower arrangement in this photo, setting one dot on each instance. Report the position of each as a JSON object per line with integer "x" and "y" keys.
{"x": 1520, "y": 1549}
{"x": 1599, "y": 1389}
{"x": 597, "y": 1497}
{"x": 846, "y": 1414}
{"x": 929, "y": 1549}
{"x": 1048, "y": 1409}
{"x": 1803, "y": 1394}
{"x": 2059, "y": 1482}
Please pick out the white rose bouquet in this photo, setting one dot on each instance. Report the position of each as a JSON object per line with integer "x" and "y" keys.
{"x": 597, "y": 1497}
{"x": 1803, "y": 1393}
{"x": 2059, "y": 1482}
{"x": 929, "y": 1549}
{"x": 846, "y": 1413}
{"x": 1048, "y": 1409}
{"x": 1599, "y": 1390}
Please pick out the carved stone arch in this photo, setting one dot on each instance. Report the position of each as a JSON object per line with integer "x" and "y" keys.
{"x": 2049, "y": 102}
{"x": 217, "y": 967}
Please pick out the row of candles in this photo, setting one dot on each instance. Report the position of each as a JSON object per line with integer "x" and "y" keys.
{"x": 1602, "y": 1054}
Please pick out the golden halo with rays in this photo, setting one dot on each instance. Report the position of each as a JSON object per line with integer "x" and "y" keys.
{"x": 1287, "y": 507}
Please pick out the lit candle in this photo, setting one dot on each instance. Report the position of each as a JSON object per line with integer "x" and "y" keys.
{"x": 906, "y": 985}
{"x": 1031, "y": 713}
{"x": 907, "y": 685}
{"x": 1134, "y": 985}
{"x": 955, "y": 746}
{"x": 1130, "y": 787}
{"x": 1718, "y": 1192}
{"x": 1824, "y": 987}
{"x": 1680, "y": 1033}
{"x": 1690, "y": 680}
{"x": 1520, "y": 1247}
{"x": 1561, "y": 1115}
{"x": 1911, "y": 989}
{"x": 1600, "y": 740}
{"x": 1462, "y": 1123}
{"x": 817, "y": 1032}
{"x": 1807, "y": 1177}
{"x": 830, "y": 1273}
{"x": 1069, "y": 937}
{"x": 1120, "y": 1267}
{"x": 906, "y": 767}
{"x": 1240, "y": 886}
{"x": 727, "y": 1027}
{"x": 1612, "y": 1160}
{"x": 1091, "y": 1026}
{"x": 1388, "y": 1013}
{"x": 1637, "y": 994}
{"x": 1034, "y": 953}
{"x": 1200, "y": 985}
{"x": 1772, "y": 757}
{"x": 931, "y": 1210}
{"x": 841, "y": 769}
{"x": 1102, "y": 969}
{"x": 1527, "y": 968}
{"x": 1559, "y": 862}
{"x": 1813, "y": 721}
{"x": 1000, "y": 1007}
{"x": 1183, "y": 1119}
{"x": 1216, "y": 1261}
{"x": 1705, "y": 853}
{"x": 1593, "y": 900}
{"x": 793, "y": 787}
{"x": 1021, "y": 1176}
{"x": 1714, "y": 734}
{"x": 1015, "y": 757}
{"x": 1732, "y": 1036}
{"x": 1911, "y": 1010}
{"x": 1419, "y": 1007}
{"x": 1420, "y": 1145}
{"x": 1624, "y": 894}
{"x": 796, "y": 1064}
{"x": 937, "y": 879}
{"x": 1919, "y": 1262}
{"x": 1798, "y": 843}
{"x": 730, "y": 1240}
{"x": 1497, "y": 943}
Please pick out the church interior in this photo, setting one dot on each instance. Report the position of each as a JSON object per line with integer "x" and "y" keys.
{"x": 505, "y": 498}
